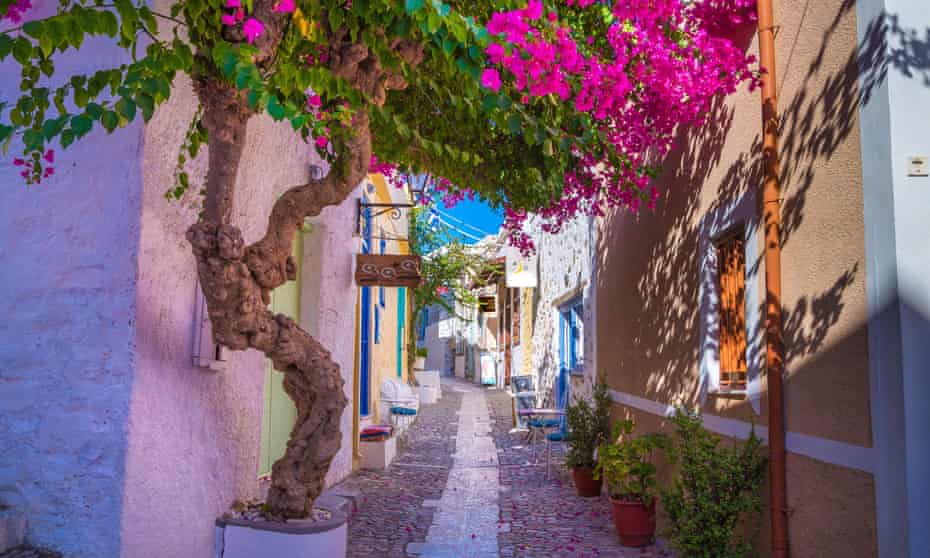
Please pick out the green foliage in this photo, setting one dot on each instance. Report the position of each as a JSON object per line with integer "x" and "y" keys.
{"x": 717, "y": 487}
{"x": 589, "y": 426}
{"x": 444, "y": 122}
{"x": 627, "y": 465}
{"x": 448, "y": 266}
{"x": 421, "y": 352}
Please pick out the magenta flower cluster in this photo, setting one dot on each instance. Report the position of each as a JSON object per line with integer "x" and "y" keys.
{"x": 16, "y": 10}
{"x": 659, "y": 66}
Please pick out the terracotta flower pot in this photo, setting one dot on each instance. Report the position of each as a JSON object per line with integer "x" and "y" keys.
{"x": 585, "y": 483}
{"x": 635, "y": 523}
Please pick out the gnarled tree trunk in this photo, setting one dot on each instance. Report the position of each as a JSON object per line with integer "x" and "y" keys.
{"x": 237, "y": 279}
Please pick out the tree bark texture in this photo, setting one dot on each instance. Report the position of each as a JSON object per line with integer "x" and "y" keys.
{"x": 237, "y": 280}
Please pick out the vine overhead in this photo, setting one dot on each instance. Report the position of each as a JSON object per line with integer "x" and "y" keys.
{"x": 557, "y": 108}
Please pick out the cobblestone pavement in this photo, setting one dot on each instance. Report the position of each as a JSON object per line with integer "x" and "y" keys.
{"x": 463, "y": 485}
{"x": 545, "y": 518}
{"x": 393, "y": 505}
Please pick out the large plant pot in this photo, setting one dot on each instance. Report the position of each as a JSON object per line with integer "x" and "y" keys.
{"x": 635, "y": 523}
{"x": 419, "y": 363}
{"x": 236, "y": 538}
{"x": 585, "y": 483}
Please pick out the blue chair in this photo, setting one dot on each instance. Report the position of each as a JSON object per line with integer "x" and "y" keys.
{"x": 554, "y": 437}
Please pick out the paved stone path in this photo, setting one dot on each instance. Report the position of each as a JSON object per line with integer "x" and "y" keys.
{"x": 466, "y": 522}
{"x": 464, "y": 485}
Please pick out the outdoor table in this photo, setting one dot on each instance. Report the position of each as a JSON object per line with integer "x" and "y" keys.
{"x": 541, "y": 412}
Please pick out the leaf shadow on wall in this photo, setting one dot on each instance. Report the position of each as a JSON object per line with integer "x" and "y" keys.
{"x": 650, "y": 270}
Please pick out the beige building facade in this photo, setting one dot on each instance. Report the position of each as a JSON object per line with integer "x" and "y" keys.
{"x": 666, "y": 295}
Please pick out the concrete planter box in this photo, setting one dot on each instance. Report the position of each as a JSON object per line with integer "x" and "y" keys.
{"x": 237, "y": 538}
{"x": 377, "y": 455}
{"x": 428, "y": 394}
{"x": 430, "y": 379}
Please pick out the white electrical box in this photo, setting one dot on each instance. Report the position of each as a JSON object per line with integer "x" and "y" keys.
{"x": 207, "y": 353}
{"x": 918, "y": 166}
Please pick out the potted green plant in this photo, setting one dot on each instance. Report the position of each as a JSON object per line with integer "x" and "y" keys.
{"x": 589, "y": 427}
{"x": 419, "y": 363}
{"x": 627, "y": 467}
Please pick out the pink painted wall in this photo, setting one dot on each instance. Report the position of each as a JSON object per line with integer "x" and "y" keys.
{"x": 194, "y": 434}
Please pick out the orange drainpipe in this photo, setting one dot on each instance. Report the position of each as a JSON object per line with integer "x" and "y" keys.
{"x": 775, "y": 350}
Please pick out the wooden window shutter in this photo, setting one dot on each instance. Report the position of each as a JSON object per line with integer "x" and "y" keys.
{"x": 731, "y": 262}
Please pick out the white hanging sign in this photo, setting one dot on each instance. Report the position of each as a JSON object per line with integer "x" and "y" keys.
{"x": 521, "y": 270}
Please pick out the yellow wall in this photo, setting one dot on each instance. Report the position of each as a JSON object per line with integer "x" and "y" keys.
{"x": 384, "y": 348}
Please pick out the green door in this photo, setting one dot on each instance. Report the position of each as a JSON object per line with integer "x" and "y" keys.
{"x": 279, "y": 412}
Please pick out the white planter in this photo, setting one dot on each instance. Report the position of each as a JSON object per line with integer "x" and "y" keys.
{"x": 430, "y": 378}
{"x": 377, "y": 455}
{"x": 428, "y": 394}
{"x": 419, "y": 363}
{"x": 238, "y": 538}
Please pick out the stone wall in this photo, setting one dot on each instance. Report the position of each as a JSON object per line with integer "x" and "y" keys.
{"x": 564, "y": 274}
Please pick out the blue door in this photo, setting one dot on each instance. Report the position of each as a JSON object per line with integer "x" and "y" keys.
{"x": 570, "y": 349}
{"x": 365, "y": 325}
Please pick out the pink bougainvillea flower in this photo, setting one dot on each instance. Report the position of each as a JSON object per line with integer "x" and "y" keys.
{"x": 322, "y": 141}
{"x": 284, "y": 6}
{"x": 228, "y": 19}
{"x": 491, "y": 79}
{"x": 233, "y": 4}
{"x": 314, "y": 101}
{"x": 18, "y": 162}
{"x": 49, "y": 156}
{"x": 252, "y": 28}
{"x": 15, "y": 10}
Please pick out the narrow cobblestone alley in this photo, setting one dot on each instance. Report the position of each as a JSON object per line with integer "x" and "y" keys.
{"x": 464, "y": 486}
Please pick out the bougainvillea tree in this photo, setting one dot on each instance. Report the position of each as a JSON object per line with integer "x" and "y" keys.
{"x": 559, "y": 107}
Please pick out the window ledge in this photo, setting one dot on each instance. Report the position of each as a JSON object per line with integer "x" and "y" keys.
{"x": 742, "y": 393}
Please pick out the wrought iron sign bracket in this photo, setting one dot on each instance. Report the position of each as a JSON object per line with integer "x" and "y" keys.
{"x": 393, "y": 210}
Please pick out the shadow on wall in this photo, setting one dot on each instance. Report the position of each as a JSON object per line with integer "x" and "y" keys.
{"x": 655, "y": 328}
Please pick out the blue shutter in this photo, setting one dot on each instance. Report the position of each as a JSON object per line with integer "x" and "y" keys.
{"x": 364, "y": 388}
{"x": 401, "y": 322}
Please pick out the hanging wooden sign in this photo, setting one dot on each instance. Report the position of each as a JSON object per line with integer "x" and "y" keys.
{"x": 387, "y": 270}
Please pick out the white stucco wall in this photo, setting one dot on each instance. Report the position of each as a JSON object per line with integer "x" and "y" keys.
{"x": 113, "y": 443}
{"x": 893, "y": 120}
{"x": 194, "y": 434}
{"x": 68, "y": 252}
{"x": 328, "y": 296}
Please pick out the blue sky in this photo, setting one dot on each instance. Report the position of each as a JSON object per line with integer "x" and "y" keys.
{"x": 474, "y": 213}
